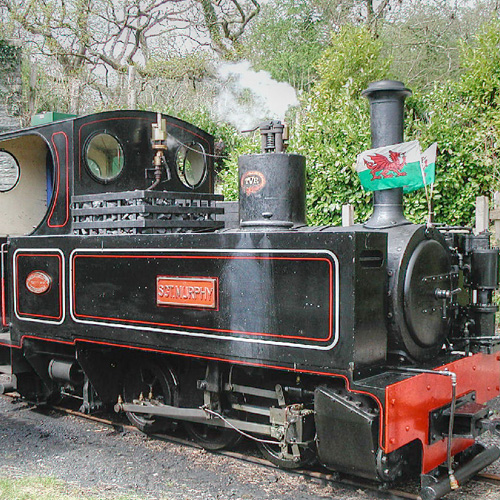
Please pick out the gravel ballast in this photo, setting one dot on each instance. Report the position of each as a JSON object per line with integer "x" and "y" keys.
{"x": 91, "y": 455}
{"x": 94, "y": 457}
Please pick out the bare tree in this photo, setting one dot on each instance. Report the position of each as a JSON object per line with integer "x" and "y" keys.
{"x": 226, "y": 21}
{"x": 95, "y": 42}
{"x": 366, "y": 12}
{"x": 424, "y": 39}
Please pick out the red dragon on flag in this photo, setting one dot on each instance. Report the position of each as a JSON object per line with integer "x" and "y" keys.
{"x": 381, "y": 165}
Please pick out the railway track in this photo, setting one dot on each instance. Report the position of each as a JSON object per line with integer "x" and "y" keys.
{"x": 322, "y": 477}
{"x": 315, "y": 475}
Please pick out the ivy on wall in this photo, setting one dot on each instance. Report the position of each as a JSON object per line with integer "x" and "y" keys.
{"x": 10, "y": 57}
{"x": 10, "y": 84}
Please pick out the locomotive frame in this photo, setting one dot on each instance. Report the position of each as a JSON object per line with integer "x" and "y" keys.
{"x": 349, "y": 345}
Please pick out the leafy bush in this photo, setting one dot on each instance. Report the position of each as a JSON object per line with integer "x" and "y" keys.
{"x": 334, "y": 125}
{"x": 462, "y": 117}
{"x": 10, "y": 57}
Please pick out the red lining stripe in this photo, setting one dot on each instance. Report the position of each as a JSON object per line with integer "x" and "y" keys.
{"x": 219, "y": 330}
{"x": 3, "y": 265}
{"x": 58, "y": 256}
{"x": 66, "y": 194}
{"x": 4, "y": 314}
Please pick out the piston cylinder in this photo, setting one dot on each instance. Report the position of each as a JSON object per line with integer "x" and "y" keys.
{"x": 272, "y": 190}
{"x": 65, "y": 371}
{"x": 483, "y": 281}
{"x": 8, "y": 386}
{"x": 484, "y": 269}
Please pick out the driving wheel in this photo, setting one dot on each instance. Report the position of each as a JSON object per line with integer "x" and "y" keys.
{"x": 147, "y": 380}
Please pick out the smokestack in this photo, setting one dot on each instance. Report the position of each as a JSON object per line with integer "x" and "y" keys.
{"x": 386, "y": 99}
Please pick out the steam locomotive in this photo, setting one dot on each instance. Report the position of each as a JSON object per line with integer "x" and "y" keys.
{"x": 125, "y": 281}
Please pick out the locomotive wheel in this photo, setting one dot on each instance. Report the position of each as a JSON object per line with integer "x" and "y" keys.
{"x": 273, "y": 453}
{"x": 211, "y": 437}
{"x": 148, "y": 378}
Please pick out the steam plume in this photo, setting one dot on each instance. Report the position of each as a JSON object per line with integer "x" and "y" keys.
{"x": 248, "y": 97}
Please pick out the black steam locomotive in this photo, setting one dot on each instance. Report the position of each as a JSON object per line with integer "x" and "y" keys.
{"x": 369, "y": 348}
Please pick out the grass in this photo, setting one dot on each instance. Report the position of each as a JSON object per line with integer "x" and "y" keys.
{"x": 48, "y": 488}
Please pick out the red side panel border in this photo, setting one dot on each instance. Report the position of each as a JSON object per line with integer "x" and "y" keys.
{"x": 409, "y": 402}
{"x": 29, "y": 314}
{"x": 58, "y": 188}
{"x": 324, "y": 339}
{"x": 3, "y": 290}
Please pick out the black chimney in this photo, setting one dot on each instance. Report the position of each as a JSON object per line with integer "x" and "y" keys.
{"x": 386, "y": 99}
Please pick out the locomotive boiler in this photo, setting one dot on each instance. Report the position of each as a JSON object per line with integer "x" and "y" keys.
{"x": 369, "y": 348}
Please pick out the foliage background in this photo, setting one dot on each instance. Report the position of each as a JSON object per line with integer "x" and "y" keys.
{"x": 458, "y": 108}
{"x": 446, "y": 51}
{"x": 462, "y": 116}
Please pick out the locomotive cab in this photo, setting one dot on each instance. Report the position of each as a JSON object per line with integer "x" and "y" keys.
{"x": 53, "y": 175}
{"x": 129, "y": 181}
{"x": 26, "y": 193}
{"x": 115, "y": 152}
{"x": 26, "y": 176}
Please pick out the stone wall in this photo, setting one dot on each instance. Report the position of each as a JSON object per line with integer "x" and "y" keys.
{"x": 10, "y": 86}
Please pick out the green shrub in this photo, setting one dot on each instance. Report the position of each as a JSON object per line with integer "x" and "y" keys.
{"x": 334, "y": 125}
{"x": 462, "y": 117}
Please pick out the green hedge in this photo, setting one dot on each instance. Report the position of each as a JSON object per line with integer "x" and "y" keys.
{"x": 462, "y": 117}
{"x": 332, "y": 126}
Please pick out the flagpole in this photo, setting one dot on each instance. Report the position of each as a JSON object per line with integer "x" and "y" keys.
{"x": 386, "y": 99}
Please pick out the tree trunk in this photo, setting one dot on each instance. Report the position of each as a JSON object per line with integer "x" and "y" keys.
{"x": 32, "y": 90}
{"x": 132, "y": 88}
{"x": 75, "y": 86}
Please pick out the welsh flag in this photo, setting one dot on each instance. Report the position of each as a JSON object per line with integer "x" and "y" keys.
{"x": 400, "y": 165}
{"x": 427, "y": 170}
